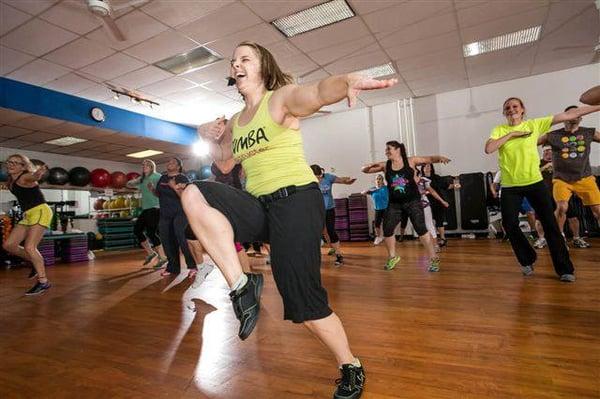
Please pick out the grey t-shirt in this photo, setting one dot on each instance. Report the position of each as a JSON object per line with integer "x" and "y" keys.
{"x": 571, "y": 153}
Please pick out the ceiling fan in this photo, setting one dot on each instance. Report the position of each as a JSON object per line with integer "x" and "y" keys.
{"x": 104, "y": 11}
{"x": 596, "y": 47}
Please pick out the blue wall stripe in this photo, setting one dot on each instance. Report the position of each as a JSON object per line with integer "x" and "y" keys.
{"x": 37, "y": 100}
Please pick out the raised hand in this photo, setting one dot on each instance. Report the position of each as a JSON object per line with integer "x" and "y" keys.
{"x": 213, "y": 130}
{"x": 444, "y": 160}
{"x": 356, "y": 83}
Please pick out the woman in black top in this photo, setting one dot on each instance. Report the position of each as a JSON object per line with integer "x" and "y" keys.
{"x": 173, "y": 222}
{"x": 23, "y": 184}
{"x": 404, "y": 197}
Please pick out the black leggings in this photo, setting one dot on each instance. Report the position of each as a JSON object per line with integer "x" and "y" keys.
{"x": 330, "y": 226}
{"x": 148, "y": 222}
{"x": 539, "y": 197}
{"x": 172, "y": 235}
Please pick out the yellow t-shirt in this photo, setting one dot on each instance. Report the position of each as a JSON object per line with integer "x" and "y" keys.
{"x": 272, "y": 155}
{"x": 518, "y": 158}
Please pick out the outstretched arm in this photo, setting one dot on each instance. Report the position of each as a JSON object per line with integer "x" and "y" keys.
{"x": 575, "y": 113}
{"x": 305, "y": 100}
{"x": 435, "y": 195}
{"x": 35, "y": 176}
{"x": 373, "y": 167}
{"x": 345, "y": 180}
{"x": 428, "y": 159}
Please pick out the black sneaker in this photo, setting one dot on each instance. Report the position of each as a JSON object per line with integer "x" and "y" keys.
{"x": 339, "y": 260}
{"x": 350, "y": 386}
{"x": 442, "y": 242}
{"x": 38, "y": 288}
{"x": 32, "y": 273}
{"x": 246, "y": 304}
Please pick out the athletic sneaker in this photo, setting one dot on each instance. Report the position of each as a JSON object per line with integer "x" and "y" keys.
{"x": 378, "y": 240}
{"x": 331, "y": 252}
{"x": 527, "y": 270}
{"x": 567, "y": 278}
{"x": 38, "y": 288}
{"x": 391, "y": 263}
{"x": 442, "y": 242}
{"x": 351, "y": 385}
{"x": 32, "y": 273}
{"x": 339, "y": 260}
{"x": 149, "y": 258}
{"x": 580, "y": 243}
{"x": 434, "y": 266}
{"x": 203, "y": 271}
{"x": 161, "y": 263}
{"x": 246, "y": 304}
{"x": 540, "y": 243}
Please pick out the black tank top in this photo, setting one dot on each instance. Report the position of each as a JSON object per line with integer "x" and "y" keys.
{"x": 231, "y": 179}
{"x": 401, "y": 184}
{"x": 28, "y": 197}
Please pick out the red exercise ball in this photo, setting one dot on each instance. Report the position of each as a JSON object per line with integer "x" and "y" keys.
{"x": 100, "y": 178}
{"x": 132, "y": 176}
{"x": 98, "y": 204}
{"x": 118, "y": 179}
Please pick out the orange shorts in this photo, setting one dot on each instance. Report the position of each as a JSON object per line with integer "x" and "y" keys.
{"x": 586, "y": 189}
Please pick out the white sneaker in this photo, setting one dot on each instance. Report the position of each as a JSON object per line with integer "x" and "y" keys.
{"x": 540, "y": 243}
{"x": 378, "y": 240}
{"x": 203, "y": 271}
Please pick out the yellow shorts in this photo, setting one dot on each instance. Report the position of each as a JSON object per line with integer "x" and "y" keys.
{"x": 586, "y": 189}
{"x": 40, "y": 214}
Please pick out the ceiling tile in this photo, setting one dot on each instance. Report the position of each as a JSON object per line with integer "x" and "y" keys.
{"x": 452, "y": 55}
{"x": 447, "y": 85}
{"x": 435, "y": 81}
{"x": 7, "y": 116}
{"x": 65, "y": 150}
{"x": 262, "y": 33}
{"x": 311, "y": 77}
{"x": 191, "y": 96}
{"x": 162, "y": 46}
{"x": 39, "y": 147}
{"x": 11, "y": 131}
{"x": 87, "y": 145}
{"x": 95, "y": 134}
{"x": 341, "y": 50}
{"x": 11, "y": 59}
{"x": 66, "y": 128}
{"x": 501, "y": 26}
{"x": 433, "y": 70}
{"x": 37, "y": 37}
{"x": 426, "y": 46}
{"x": 434, "y": 26}
{"x": 405, "y": 14}
{"x": 136, "y": 27}
{"x": 270, "y": 10}
{"x": 36, "y": 122}
{"x": 96, "y": 93}
{"x": 14, "y": 143}
{"x": 72, "y": 15}
{"x": 297, "y": 65}
{"x": 364, "y": 7}
{"x": 38, "y": 72}
{"x": 111, "y": 67}
{"x": 222, "y": 22}
{"x": 185, "y": 11}
{"x": 10, "y": 18}
{"x": 79, "y": 53}
{"x": 331, "y": 35}
{"x": 70, "y": 83}
{"x": 371, "y": 56}
{"x": 141, "y": 77}
{"x": 112, "y": 147}
{"x": 32, "y": 7}
{"x": 39, "y": 137}
{"x": 217, "y": 71}
{"x": 491, "y": 10}
{"x": 562, "y": 12}
{"x": 168, "y": 86}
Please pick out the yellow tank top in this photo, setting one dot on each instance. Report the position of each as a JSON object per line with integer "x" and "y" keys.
{"x": 272, "y": 155}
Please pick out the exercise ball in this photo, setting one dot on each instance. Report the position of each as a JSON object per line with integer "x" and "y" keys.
{"x": 99, "y": 204}
{"x": 79, "y": 176}
{"x": 192, "y": 175}
{"x": 100, "y": 178}
{"x": 58, "y": 176}
{"x": 132, "y": 176}
{"x": 3, "y": 173}
{"x": 106, "y": 204}
{"x": 118, "y": 180}
{"x": 37, "y": 163}
{"x": 205, "y": 172}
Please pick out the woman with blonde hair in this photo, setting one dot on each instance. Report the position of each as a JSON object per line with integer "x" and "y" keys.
{"x": 23, "y": 180}
{"x": 283, "y": 203}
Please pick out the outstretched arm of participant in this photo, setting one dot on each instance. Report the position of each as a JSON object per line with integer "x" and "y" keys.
{"x": 435, "y": 195}
{"x": 345, "y": 180}
{"x": 373, "y": 167}
{"x": 35, "y": 176}
{"x": 218, "y": 134}
{"x": 493, "y": 145}
{"x": 133, "y": 183}
{"x": 428, "y": 159}
{"x": 575, "y": 113}
{"x": 305, "y": 100}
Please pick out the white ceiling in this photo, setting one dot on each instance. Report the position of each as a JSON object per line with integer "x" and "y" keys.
{"x": 61, "y": 46}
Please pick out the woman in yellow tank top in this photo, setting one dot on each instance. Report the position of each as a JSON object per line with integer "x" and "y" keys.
{"x": 283, "y": 204}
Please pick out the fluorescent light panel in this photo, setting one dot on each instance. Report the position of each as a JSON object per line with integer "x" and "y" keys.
{"x": 314, "y": 17}
{"x": 144, "y": 154}
{"x": 503, "y": 41}
{"x": 65, "y": 141}
{"x": 378, "y": 71}
{"x": 193, "y": 60}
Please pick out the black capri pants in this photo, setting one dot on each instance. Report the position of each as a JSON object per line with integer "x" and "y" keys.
{"x": 394, "y": 213}
{"x": 293, "y": 225}
{"x": 379, "y": 214}
{"x": 330, "y": 226}
{"x": 148, "y": 222}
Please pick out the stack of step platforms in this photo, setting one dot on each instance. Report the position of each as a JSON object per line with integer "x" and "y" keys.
{"x": 342, "y": 222}
{"x": 75, "y": 249}
{"x": 46, "y": 248}
{"x": 117, "y": 233}
{"x": 358, "y": 217}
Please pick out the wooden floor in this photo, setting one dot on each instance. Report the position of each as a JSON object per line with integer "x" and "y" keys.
{"x": 477, "y": 329}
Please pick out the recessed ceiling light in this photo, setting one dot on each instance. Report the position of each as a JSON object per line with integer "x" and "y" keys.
{"x": 503, "y": 41}
{"x": 188, "y": 62}
{"x": 144, "y": 154}
{"x": 314, "y": 18}
{"x": 65, "y": 141}
{"x": 378, "y": 71}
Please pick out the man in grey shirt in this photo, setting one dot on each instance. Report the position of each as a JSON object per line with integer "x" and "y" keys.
{"x": 572, "y": 171}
